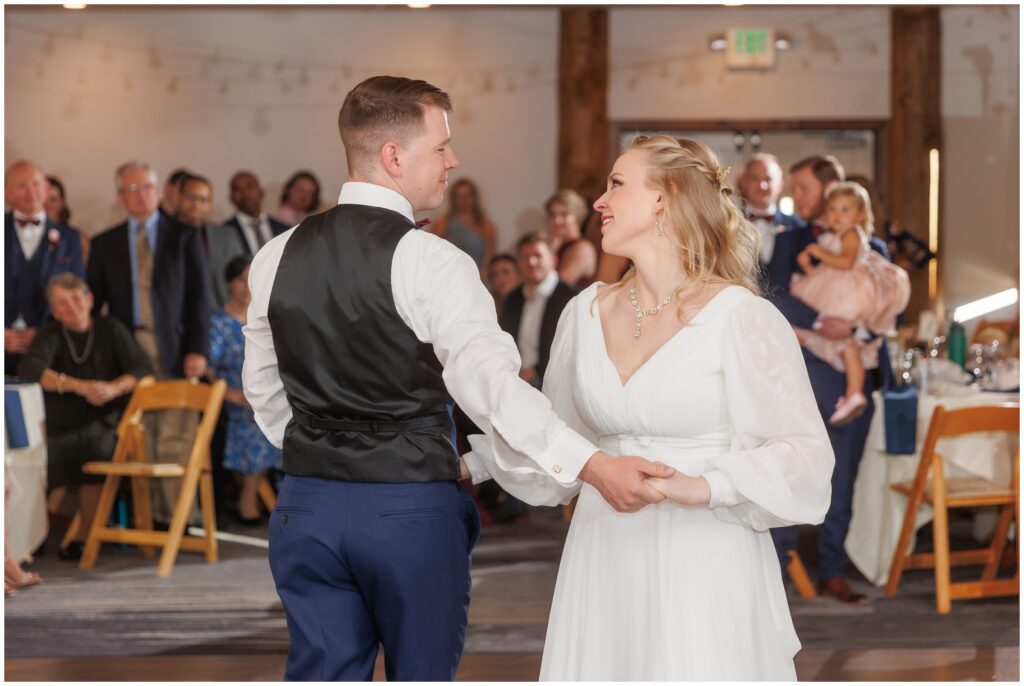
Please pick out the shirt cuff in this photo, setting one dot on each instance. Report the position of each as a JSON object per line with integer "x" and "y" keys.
{"x": 565, "y": 457}
{"x": 722, "y": 492}
{"x": 477, "y": 473}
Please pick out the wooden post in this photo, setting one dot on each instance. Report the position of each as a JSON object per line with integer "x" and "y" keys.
{"x": 583, "y": 101}
{"x": 915, "y": 130}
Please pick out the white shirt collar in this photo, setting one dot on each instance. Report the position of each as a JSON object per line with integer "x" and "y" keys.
{"x": 360, "y": 193}
{"x": 39, "y": 216}
{"x": 245, "y": 220}
{"x": 546, "y": 287}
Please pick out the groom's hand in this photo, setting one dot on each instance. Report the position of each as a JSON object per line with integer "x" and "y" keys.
{"x": 622, "y": 480}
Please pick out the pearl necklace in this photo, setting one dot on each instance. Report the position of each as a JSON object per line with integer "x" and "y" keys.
{"x": 641, "y": 313}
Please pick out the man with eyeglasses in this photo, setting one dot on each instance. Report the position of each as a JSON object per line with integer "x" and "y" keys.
{"x": 150, "y": 270}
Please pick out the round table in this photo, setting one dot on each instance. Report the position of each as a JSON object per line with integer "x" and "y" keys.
{"x": 878, "y": 510}
{"x": 27, "y": 522}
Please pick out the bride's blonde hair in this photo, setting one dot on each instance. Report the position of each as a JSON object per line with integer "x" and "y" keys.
{"x": 715, "y": 242}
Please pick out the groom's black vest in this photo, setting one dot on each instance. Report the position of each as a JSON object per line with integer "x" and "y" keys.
{"x": 368, "y": 402}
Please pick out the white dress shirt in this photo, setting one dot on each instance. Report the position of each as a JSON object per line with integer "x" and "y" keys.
{"x": 30, "y": 236}
{"x": 767, "y": 229}
{"x": 438, "y": 294}
{"x": 256, "y": 230}
{"x": 528, "y": 337}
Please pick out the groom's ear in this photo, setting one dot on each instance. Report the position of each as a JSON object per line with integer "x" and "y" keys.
{"x": 389, "y": 159}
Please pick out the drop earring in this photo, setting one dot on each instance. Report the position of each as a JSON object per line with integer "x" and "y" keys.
{"x": 657, "y": 223}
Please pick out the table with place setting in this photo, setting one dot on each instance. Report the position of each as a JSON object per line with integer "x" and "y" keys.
{"x": 27, "y": 523}
{"x": 878, "y": 511}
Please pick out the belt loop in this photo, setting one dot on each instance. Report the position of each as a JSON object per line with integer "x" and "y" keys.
{"x": 374, "y": 427}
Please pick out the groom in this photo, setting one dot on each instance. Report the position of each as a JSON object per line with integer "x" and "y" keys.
{"x": 359, "y": 328}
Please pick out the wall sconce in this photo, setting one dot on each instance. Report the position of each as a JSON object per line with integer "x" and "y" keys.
{"x": 718, "y": 42}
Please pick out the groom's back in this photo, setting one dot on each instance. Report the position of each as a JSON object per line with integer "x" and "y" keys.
{"x": 345, "y": 355}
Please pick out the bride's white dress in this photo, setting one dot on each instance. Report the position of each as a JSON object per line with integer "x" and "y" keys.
{"x": 673, "y": 592}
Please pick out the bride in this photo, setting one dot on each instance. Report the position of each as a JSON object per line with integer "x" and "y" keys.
{"x": 681, "y": 362}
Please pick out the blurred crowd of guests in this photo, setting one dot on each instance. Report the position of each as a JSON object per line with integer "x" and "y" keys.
{"x": 165, "y": 293}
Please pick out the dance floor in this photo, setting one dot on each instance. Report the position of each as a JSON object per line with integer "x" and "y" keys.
{"x": 224, "y": 621}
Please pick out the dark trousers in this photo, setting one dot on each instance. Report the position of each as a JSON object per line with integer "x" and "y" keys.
{"x": 848, "y": 444}
{"x": 359, "y": 565}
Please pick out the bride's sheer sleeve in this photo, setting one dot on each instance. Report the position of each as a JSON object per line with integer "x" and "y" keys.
{"x": 779, "y": 470}
{"x": 515, "y": 471}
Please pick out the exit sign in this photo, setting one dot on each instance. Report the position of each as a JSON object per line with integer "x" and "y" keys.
{"x": 750, "y": 49}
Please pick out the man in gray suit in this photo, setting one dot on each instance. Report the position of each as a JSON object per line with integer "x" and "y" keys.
{"x": 243, "y": 234}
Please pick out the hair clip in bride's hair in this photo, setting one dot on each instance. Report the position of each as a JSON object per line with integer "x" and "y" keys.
{"x": 723, "y": 175}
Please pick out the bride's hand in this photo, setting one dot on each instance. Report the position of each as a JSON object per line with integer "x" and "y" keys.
{"x": 683, "y": 489}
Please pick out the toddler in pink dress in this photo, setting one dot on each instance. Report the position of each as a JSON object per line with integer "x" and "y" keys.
{"x": 855, "y": 283}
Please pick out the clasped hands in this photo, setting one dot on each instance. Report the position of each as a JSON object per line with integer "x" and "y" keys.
{"x": 630, "y": 483}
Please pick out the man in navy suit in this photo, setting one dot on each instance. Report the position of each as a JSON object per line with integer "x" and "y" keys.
{"x": 811, "y": 177}
{"x": 248, "y": 229}
{"x": 35, "y": 250}
{"x": 151, "y": 272}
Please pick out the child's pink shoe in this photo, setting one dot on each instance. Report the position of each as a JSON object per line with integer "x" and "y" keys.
{"x": 848, "y": 409}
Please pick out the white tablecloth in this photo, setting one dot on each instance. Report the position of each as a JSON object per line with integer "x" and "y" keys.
{"x": 25, "y": 478}
{"x": 878, "y": 510}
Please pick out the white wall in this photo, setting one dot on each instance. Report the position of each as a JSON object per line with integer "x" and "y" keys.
{"x": 68, "y": 107}
{"x": 79, "y": 120}
{"x": 981, "y": 167}
{"x": 662, "y": 68}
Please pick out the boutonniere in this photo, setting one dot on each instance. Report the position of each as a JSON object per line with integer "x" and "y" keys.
{"x": 53, "y": 236}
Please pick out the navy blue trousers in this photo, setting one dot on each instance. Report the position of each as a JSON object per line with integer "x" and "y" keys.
{"x": 362, "y": 565}
{"x": 848, "y": 443}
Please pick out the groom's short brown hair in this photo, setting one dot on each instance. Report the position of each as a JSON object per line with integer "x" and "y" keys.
{"x": 384, "y": 108}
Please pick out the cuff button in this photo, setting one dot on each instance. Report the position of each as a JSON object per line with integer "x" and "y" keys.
{"x": 557, "y": 469}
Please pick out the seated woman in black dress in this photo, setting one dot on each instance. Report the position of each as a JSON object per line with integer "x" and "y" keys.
{"x": 88, "y": 369}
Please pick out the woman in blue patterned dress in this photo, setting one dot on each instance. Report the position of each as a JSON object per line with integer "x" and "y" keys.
{"x": 247, "y": 452}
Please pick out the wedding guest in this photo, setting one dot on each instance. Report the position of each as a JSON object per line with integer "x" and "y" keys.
{"x": 811, "y": 177}
{"x": 299, "y": 199}
{"x": 465, "y": 225}
{"x": 172, "y": 189}
{"x": 57, "y": 212}
{"x": 244, "y": 233}
{"x": 853, "y": 282}
{"x": 35, "y": 249}
{"x": 576, "y": 256}
{"x": 195, "y": 198}
{"x": 88, "y": 367}
{"x": 760, "y": 185}
{"x": 150, "y": 270}
{"x": 530, "y": 313}
{"x": 502, "y": 278}
{"x": 906, "y": 250}
{"x": 247, "y": 451}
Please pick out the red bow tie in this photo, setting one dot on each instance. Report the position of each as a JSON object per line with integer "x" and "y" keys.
{"x": 22, "y": 223}
{"x": 763, "y": 217}
{"x": 421, "y": 223}
{"x": 817, "y": 229}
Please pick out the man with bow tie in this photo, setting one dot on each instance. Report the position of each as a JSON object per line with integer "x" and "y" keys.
{"x": 760, "y": 185}
{"x": 811, "y": 178}
{"x": 36, "y": 249}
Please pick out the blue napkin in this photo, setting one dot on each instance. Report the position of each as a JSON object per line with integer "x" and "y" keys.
{"x": 14, "y": 416}
{"x": 900, "y": 408}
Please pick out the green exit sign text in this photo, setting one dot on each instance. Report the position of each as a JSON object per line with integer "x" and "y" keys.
{"x": 751, "y": 48}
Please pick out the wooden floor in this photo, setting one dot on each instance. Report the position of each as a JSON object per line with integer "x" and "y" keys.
{"x": 933, "y": 664}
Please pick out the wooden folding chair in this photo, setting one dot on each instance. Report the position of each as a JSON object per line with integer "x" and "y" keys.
{"x": 130, "y": 460}
{"x": 944, "y": 493}
{"x": 798, "y": 574}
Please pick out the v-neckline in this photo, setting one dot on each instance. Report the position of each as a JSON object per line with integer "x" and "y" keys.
{"x": 643, "y": 365}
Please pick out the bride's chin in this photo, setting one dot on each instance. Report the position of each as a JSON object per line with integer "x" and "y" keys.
{"x": 613, "y": 247}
